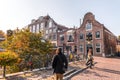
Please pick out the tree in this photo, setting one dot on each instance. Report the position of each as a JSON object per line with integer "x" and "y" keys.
{"x": 7, "y": 58}
{"x": 27, "y": 44}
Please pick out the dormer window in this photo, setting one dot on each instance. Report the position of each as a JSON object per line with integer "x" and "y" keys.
{"x": 89, "y": 26}
{"x": 50, "y": 23}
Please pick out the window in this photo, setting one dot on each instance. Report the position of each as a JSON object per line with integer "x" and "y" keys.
{"x": 46, "y": 37}
{"x": 50, "y": 37}
{"x": 98, "y": 47}
{"x": 50, "y": 30}
{"x": 37, "y": 28}
{"x": 98, "y": 34}
{"x": 46, "y": 31}
{"x": 42, "y": 26}
{"x": 89, "y": 36}
{"x": 50, "y": 23}
{"x": 61, "y": 37}
{"x": 89, "y": 26}
{"x": 70, "y": 38}
{"x": 54, "y": 37}
{"x": 31, "y": 29}
{"x": 34, "y": 29}
{"x": 81, "y": 48}
{"x": 81, "y": 36}
{"x": 54, "y": 30}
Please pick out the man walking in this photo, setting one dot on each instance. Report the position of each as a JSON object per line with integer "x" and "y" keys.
{"x": 59, "y": 64}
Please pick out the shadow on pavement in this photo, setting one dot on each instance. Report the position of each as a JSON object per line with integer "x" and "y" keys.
{"x": 15, "y": 78}
{"x": 94, "y": 73}
{"x": 108, "y": 70}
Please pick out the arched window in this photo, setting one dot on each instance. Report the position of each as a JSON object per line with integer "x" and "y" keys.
{"x": 89, "y": 26}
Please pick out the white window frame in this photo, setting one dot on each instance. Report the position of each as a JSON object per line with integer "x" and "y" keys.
{"x": 46, "y": 31}
{"x": 50, "y": 23}
{"x": 46, "y": 36}
{"x": 54, "y": 38}
{"x": 34, "y": 29}
{"x": 37, "y": 28}
{"x": 81, "y": 47}
{"x": 42, "y": 26}
{"x": 88, "y": 25}
{"x": 98, "y": 47}
{"x": 68, "y": 37}
{"x": 54, "y": 30}
{"x": 50, "y": 30}
{"x": 96, "y": 34}
{"x": 31, "y": 28}
{"x": 62, "y": 35}
{"x": 80, "y": 35}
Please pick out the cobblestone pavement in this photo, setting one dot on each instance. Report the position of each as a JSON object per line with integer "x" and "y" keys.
{"x": 105, "y": 69}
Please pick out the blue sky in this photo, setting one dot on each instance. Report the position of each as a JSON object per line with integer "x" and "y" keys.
{"x": 19, "y": 13}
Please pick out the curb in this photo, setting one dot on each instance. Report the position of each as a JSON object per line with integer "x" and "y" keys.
{"x": 24, "y": 72}
{"x": 76, "y": 72}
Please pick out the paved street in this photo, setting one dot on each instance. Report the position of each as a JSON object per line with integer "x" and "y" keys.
{"x": 105, "y": 69}
{"x": 48, "y": 75}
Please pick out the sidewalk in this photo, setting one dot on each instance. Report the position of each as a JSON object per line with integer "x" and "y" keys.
{"x": 42, "y": 74}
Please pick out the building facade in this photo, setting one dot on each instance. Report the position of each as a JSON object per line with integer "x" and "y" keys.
{"x": 48, "y": 27}
{"x": 91, "y": 34}
{"x": 67, "y": 40}
{"x": 95, "y": 35}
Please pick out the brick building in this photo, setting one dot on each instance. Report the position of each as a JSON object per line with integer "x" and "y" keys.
{"x": 67, "y": 40}
{"x": 93, "y": 34}
{"x": 48, "y": 27}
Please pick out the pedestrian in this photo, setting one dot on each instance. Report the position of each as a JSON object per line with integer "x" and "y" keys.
{"x": 90, "y": 58}
{"x": 59, "y": 64}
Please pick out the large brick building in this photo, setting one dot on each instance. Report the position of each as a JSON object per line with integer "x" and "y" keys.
{"x": 48, "y": 27}
{"x": 95, "y": 35}
{"x": 91, "y": 33}
{"x": 67, "y": 40}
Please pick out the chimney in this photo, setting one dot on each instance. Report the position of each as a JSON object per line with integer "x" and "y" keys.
{"x": 33, "y": 20}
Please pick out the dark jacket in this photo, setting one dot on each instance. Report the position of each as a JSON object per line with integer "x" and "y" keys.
{"x": 59, "y": 61}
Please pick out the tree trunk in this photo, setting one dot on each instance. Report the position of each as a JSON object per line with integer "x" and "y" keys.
{"x": 4, "y": 70}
